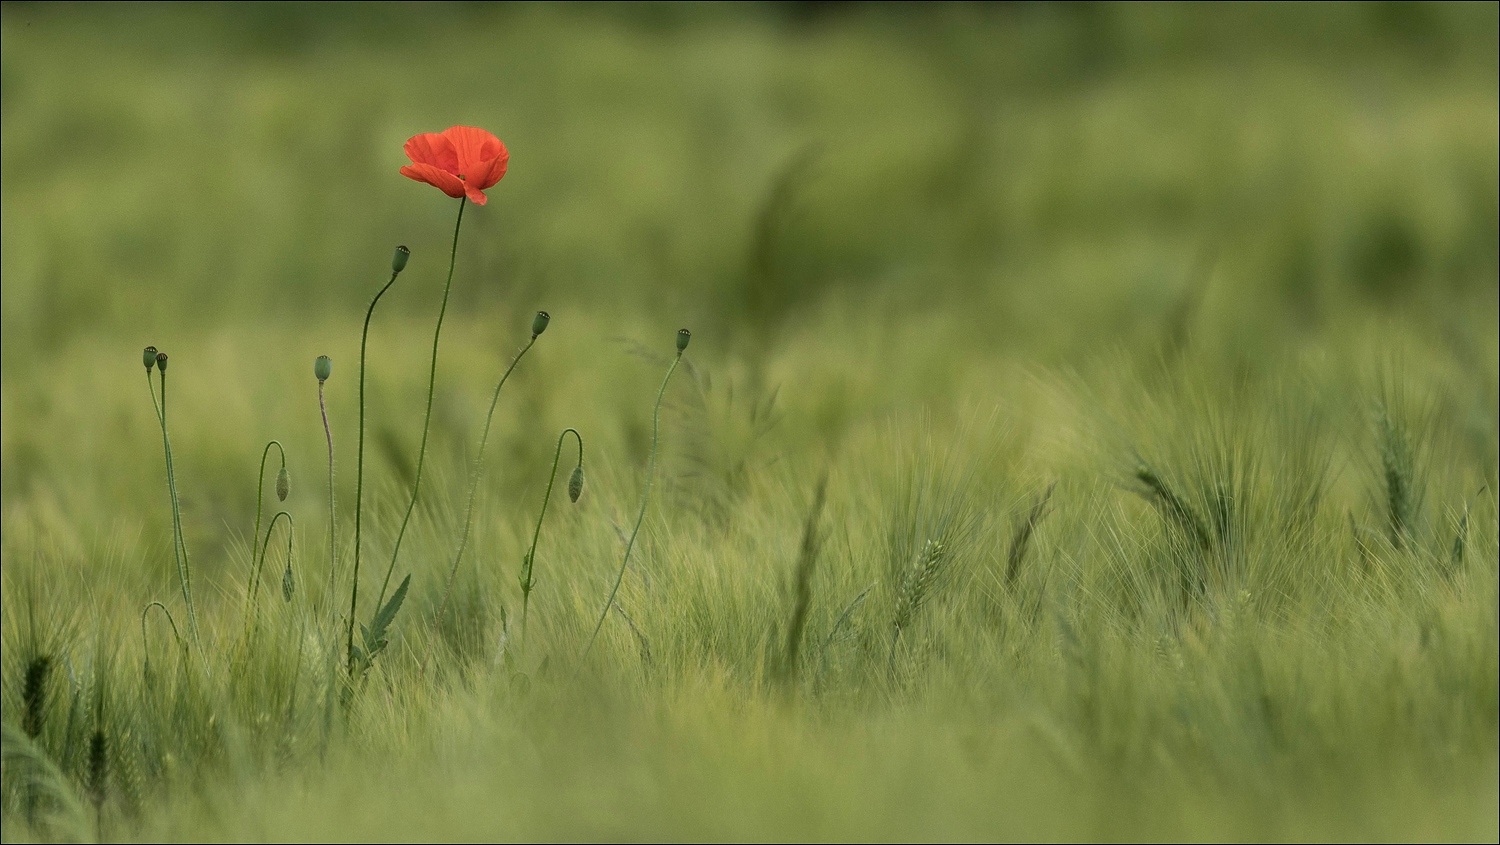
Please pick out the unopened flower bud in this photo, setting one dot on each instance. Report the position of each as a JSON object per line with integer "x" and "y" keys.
{"x": 575, "y": 483}
{"x": 148, "y": 357}
{"x": 283, "y": 484}
{"x": 161, "y": 361}
{"x": 398, "y": 261}
{"x": 683, "y": 336}
{"x": 288, "y": 584}
{"x": 539, "y": 323}
{"x": 323, "y": 367}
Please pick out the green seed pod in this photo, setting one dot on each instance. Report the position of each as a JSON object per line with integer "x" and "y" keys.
{"x": 288, "y": 584}
{"x": 398, "y": 261}
{"x": 323, "y": 368}
{"x": 161, "y": 361}
{"x": 283, "y": 484}
{"x": 539, "y": 323}
{"x": 575, "y": 483}
{"x": 148, "y": 357}
{"x": 683, "y": 336}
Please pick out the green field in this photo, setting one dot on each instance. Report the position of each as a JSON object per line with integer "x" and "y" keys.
{"x": 1148, "y": 357}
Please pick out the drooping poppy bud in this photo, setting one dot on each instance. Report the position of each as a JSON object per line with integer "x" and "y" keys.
{"x": 148, "y": 357}
{"x": 323, "y": 368}
{"x": 398, "y": 261}
{"x": 575, "y": 483}
{"x": 283, "y": 484}
{"x": 161, "y": 361}
{"x": 683, "y": 336}
{"x": 539, "y": 323}
{"x": 288, "y": 584}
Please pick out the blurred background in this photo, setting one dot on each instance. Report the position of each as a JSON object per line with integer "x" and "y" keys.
{"x": 872, "y": 206}
{"x": 1049, "y": 174}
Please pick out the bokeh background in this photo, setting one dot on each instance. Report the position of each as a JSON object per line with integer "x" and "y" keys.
{"x": 1045, "y": 176}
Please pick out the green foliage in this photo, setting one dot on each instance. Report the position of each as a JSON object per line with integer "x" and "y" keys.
{"x": 374, "y": 634}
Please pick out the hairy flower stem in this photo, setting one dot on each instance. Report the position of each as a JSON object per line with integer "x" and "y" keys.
{"x": 333, "y": 534}
{"x": 184, "y": 571}
{"x": 527, "y": 582}
{"x": 253, "y": 589}
{"x": 176, "y": 635}
{"x": 260, "y": 491}
{"x": 359, "y": 467}
{"x": 645, "y": 497}
{"x": 146, "y": 644}
{"x": 416, "y": 486}
{"x": 463, "y": 537}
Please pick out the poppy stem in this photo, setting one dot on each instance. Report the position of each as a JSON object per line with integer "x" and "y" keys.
{"x": 359, "y": 464}
{"x": 253, "y": 589}
{"x": 184, "y": 571}
{"x": 463, "y": 539}
{"x": 527, "y": 582}
{"x": 645, "y": 497}
{"x": 416, "y": 486}
{"x": 150, "y": 385}
{"x": 333, "y": 536}
{"x": 260, "y": 492}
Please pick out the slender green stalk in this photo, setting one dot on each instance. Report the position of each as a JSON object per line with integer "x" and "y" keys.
{"x": 253, "y": 589}
{"x": 645, "y": 497}
{"x": 333, "y": 535}
{"x": 416, "y": 486}
{"x": 463, "y": 538}
{"x": 527, "y": 581}
{"x": 170, "y": 621}
{"x": 260, "y": 490}
{"x": 359, "y": 461}
{"x": 176, "y": 549}
{"x": 184, "y": 568}
{"x": 146, "y": 644}
{"x": 151, "y": 386}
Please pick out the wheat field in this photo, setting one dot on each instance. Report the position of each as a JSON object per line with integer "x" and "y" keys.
{"x": 1089, "y": 428}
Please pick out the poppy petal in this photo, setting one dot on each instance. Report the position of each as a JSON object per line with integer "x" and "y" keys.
{"x": 474, "y": 149}
{"x": 488, "y": 173}
{"x": 433, "y": 149}
{"x": 436, "y": 177}
{"x": 476, "y": 195}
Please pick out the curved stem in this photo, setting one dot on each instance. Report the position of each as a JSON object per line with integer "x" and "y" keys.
{"x": 254, "y": 589}
{"x": 526, "y": 580}
{"x": 359, "y": 463}
{"x": 184, "y": 568}
{"x": 463, "y": 539}
{"x": 645, "y": 497}
{"x": 333, "y": 535}
{"x": 260, "y": 491}
{"x": 416, "y": 486}
{"x": 173, "y": 622}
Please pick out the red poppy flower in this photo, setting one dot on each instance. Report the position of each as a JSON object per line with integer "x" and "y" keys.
{"x": 460, "y": 160}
